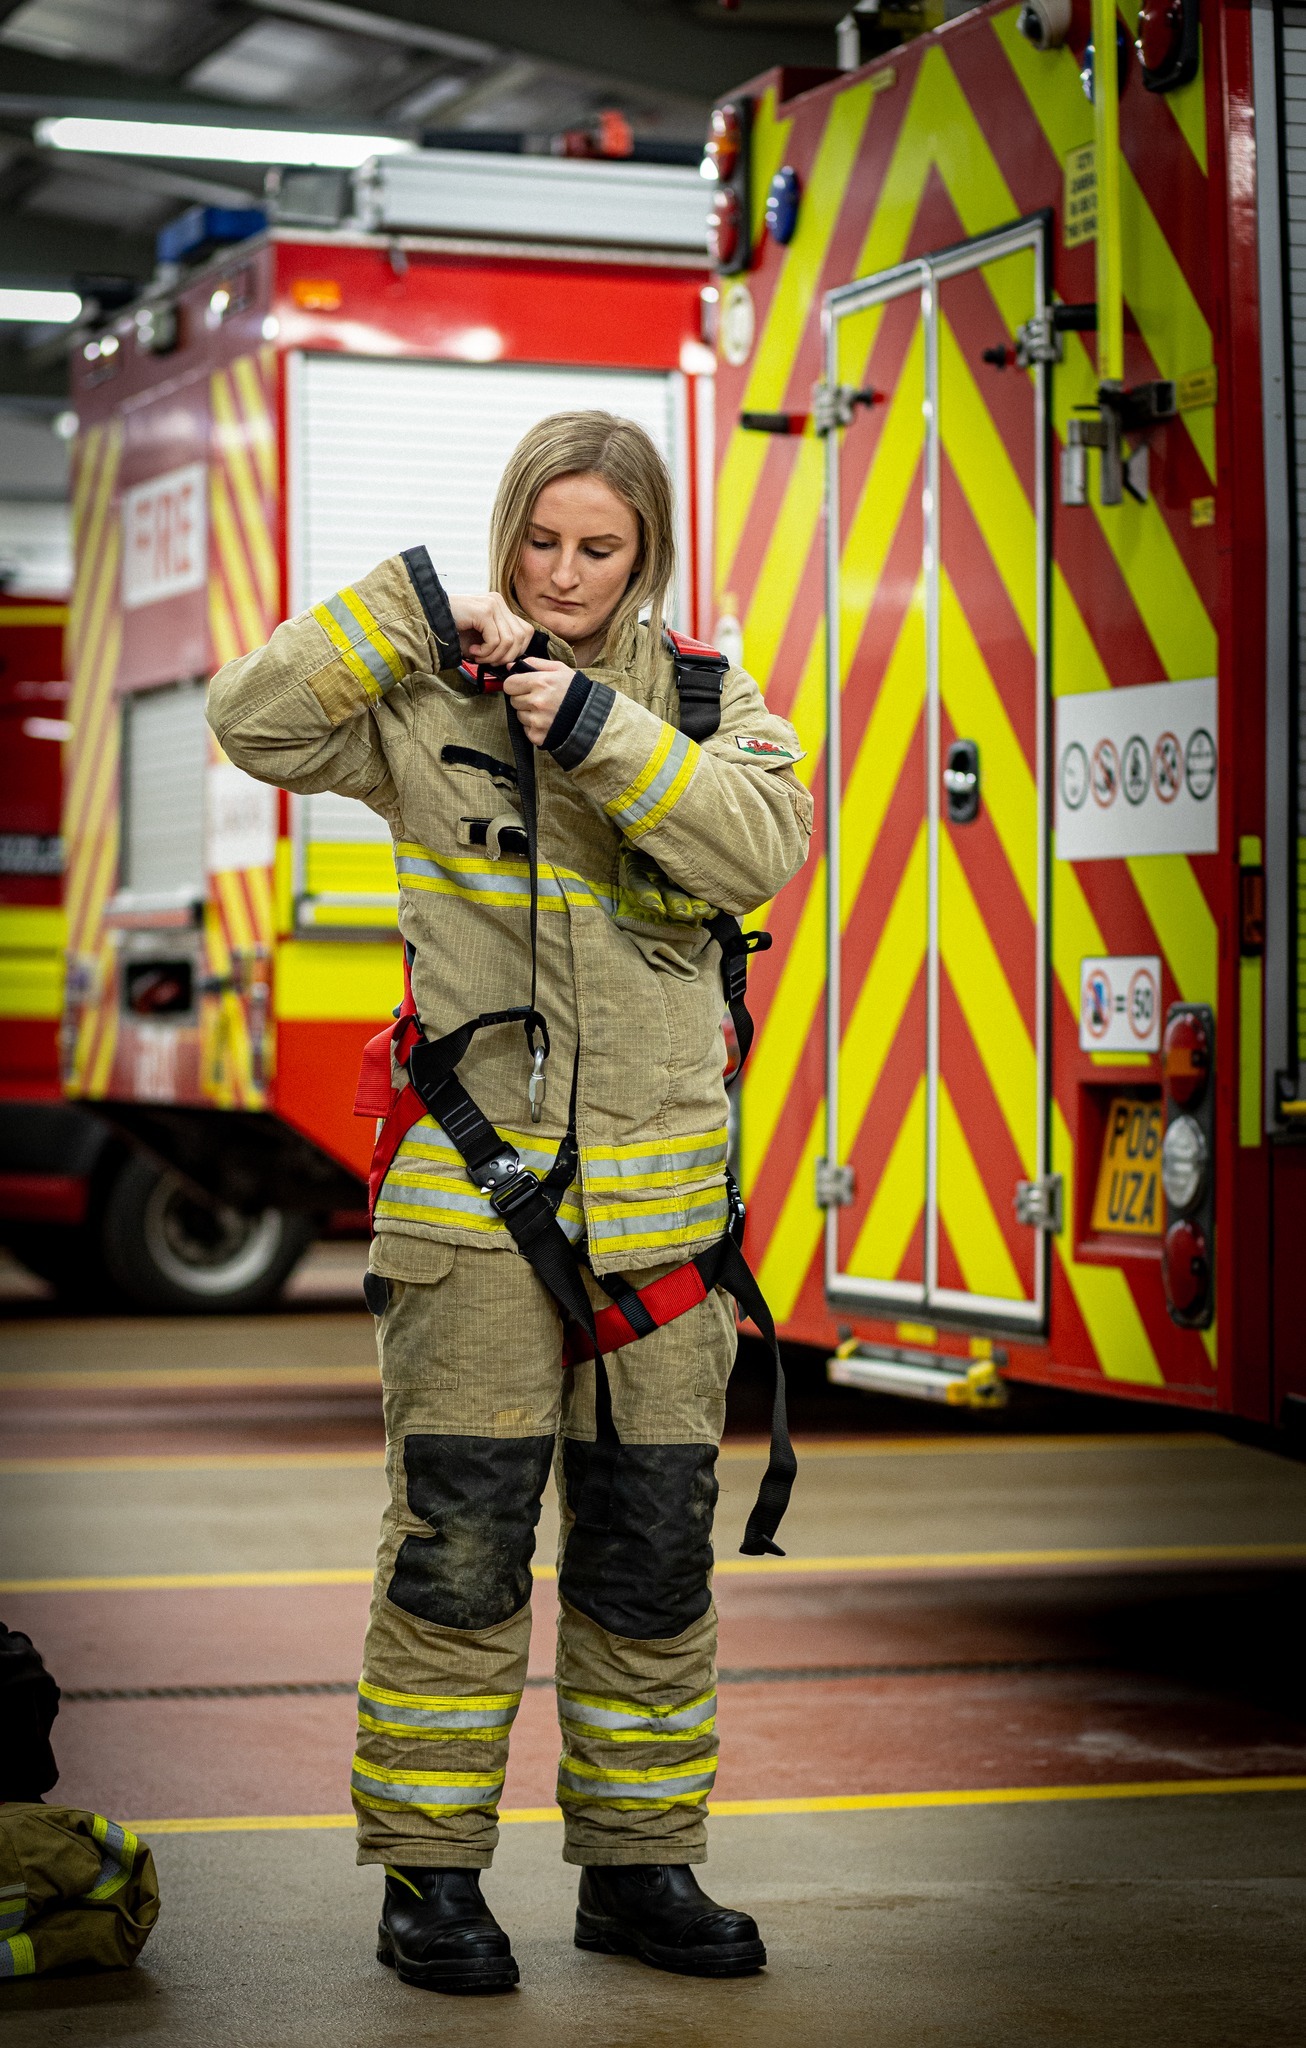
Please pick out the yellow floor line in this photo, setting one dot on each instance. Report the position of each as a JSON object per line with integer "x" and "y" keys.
{"x": 742, "y": 1809}
{"x": 890, "y": 1561}
{"x": 852, "y": 1447}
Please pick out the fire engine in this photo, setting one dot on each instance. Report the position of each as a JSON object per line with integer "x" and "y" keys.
{"x": 1009, "y": 524}
{"x": 279, "y": 413}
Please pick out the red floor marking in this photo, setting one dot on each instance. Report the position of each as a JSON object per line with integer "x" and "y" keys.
{"x": 165, "y": 1759}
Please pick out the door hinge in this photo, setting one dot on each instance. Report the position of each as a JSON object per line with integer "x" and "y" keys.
{"x": 835, "y": 1185}
{"x": 833, "y": 405}
{"x": 1039, "y": 1203}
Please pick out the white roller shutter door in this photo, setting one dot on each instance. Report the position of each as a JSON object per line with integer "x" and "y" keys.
{"x": 165, "y": 753}
{"x": 386, "y": 455}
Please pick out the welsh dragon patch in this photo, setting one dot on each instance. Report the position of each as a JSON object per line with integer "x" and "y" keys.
{"x": 763, "y": 750}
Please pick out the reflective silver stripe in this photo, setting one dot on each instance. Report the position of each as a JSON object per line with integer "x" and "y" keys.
{"x": 360, "y": 642}
{"x": 13, "y": 1907}
{"x": 646, "y": 1223}
{"x": 634, "y": 1168}
{"x": 119, "y": 1853}
{"x": 653, "y": 1720}
{"x": 17, "y": 1957}
{"x": 499, "y": 883}
{"x": 631, "y": 814}
{"x": 406, "y": 1792}
{"x": 446, "y": 1719}
{"x": 404, "y": 1190}
{"x": 612, "y": 1785}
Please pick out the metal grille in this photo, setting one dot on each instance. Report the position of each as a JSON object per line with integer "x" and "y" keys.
{"x": 165, "y": 740}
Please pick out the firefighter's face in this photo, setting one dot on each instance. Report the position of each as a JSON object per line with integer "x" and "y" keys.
{"x": 580, "y": 550}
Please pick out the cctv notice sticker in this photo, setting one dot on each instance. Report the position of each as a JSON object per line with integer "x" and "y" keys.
{"x": 1137, "y": 771}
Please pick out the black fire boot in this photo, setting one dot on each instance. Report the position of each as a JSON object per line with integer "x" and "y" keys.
{"x": 437, "y": 1932}
{"x": 658, "y": 1912}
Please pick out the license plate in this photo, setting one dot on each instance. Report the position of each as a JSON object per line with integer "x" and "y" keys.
{"x": 1128, "y": 1199}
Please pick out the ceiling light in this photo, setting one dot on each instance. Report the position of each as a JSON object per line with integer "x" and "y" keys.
{"x": 38, "y": 306}
{"x": 211, "y": 144}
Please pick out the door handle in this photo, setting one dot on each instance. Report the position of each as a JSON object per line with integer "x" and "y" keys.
{"x": 961, "y": 782}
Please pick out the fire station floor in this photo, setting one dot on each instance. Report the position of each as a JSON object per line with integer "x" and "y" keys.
{"x": 1013, "y": 1741}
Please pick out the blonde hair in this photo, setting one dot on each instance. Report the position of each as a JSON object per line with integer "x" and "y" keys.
{"x": 621, "y": 453}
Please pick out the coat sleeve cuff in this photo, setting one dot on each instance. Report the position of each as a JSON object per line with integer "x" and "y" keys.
{"x": 579, "y": 720}
{"x": 435, "y": 605}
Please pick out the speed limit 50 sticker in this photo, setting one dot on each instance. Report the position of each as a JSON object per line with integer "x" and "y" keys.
{"x": 1137, "y": 771}
{"x": 1120, "y": 1003}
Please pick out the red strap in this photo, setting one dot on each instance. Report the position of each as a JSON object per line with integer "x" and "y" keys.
{"x": 408, "y": 1109}
{"x": 483, "y": 678}
{"x": 665, "y": 1299}
{"x": 684, "y": 645}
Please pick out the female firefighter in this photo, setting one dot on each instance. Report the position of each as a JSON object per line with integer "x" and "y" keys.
{"x": 554, "y": 1147}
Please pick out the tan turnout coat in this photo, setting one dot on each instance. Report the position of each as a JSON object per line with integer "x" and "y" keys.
{"x": 362, "y": 695}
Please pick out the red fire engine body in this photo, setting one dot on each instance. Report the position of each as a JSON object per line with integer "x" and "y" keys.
{"x": 252, "y": 438}
{"x": 1005, "y": 525}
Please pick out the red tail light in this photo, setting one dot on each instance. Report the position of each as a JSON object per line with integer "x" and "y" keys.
{"x": 725, "y": 226}
{"x": 1186, "y": 1057}
{"x": 1185, "y": 1267}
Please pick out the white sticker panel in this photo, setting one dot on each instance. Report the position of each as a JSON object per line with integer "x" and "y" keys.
{"x": 1136, "y": 771}
{"x": 242, "y": 820}
{"x": 165, "y": 537}
{"x": 1120, "y": 1003}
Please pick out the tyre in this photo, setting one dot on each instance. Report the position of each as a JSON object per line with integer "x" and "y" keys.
{"x": 168, "y": 1247}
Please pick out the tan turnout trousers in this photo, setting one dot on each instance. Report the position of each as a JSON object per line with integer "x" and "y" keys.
{"x": 478, "y": 1408}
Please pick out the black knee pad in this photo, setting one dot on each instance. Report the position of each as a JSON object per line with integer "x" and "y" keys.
{"x": 481, "y": 1497}
{"x": 646, "y": 1574}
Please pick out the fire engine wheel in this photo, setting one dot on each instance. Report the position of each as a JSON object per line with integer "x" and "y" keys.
{"x": 167, "y": 1247}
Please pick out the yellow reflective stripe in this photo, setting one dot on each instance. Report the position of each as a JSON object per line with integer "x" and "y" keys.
{"x": 384, "y": 647}
{"x": 439, "y": 1702}
{"x": 636, "y": 1710}
{"x": 17, "y": 1956}
{"x": 494, "y": 1731}
{"x": 398, "y": 1791}
{"x": 701, "y": 1731}
{"x": 667, "y": 802}
{"x": 368, "y": 656}
{"x": 448, "y": 1717}
{"x": 635, "y": 789}
{"x": 399, "y": 1878}
{"x": 658, "y": 787}
{"x": 694, "y": 1198}
{"x": 655, "y": 1148}
{"x": 684, "y": 1784}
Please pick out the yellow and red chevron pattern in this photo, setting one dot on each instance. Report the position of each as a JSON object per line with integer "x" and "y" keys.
{"x": 91, "y": 766}
{"x": 959, "y": 135}
{"x": 236, "y": 1032}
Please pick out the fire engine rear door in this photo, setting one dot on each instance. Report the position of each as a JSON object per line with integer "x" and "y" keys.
{"x": 936, "y": 1063}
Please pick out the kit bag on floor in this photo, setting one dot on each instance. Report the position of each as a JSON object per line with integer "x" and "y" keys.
{"x": 77, "y": 1892}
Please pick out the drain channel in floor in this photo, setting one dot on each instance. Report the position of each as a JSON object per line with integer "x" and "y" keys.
{"x": 737, "y": 1675}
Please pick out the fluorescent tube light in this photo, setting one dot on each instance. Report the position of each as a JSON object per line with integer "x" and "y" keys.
{"x": 212, "y": 144}
{"x": 38, "y": 307}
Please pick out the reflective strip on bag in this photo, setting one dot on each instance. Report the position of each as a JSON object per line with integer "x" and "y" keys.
{"x": 370, "y": 658}
{"x": 660, "y": 1785}
{"x": 437, "y": 1717}
{"x": 13, "y": 1907}
{"x": 119, "y": 1847}
{"x": 605, "y": 1720}
{"x": 658, "y": 787}
{"x": 17, "y": 1957}
{"x": 435, "y": 1792}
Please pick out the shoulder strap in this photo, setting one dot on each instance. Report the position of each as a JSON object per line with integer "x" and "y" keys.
{"x": 700, "y": 672}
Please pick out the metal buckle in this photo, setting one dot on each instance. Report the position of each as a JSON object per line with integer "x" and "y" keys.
{"x": 506, "y": 1182}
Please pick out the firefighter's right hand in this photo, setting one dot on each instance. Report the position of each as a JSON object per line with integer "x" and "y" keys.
{"x": 489, "y": 630}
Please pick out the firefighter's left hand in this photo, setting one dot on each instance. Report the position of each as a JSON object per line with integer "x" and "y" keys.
{"x": 536, "y": 697}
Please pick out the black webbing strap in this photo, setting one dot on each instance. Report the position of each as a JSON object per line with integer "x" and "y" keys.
{"x": 699, "y": 678}
{"x": 737, "y": 949}
{"x": 494, "y": 1166}
{"x": 724, "y": 1265}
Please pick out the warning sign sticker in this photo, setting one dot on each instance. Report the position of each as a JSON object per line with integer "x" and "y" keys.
{"x": 1137, "y": 771}
{"x": 1120, "y": 1003}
